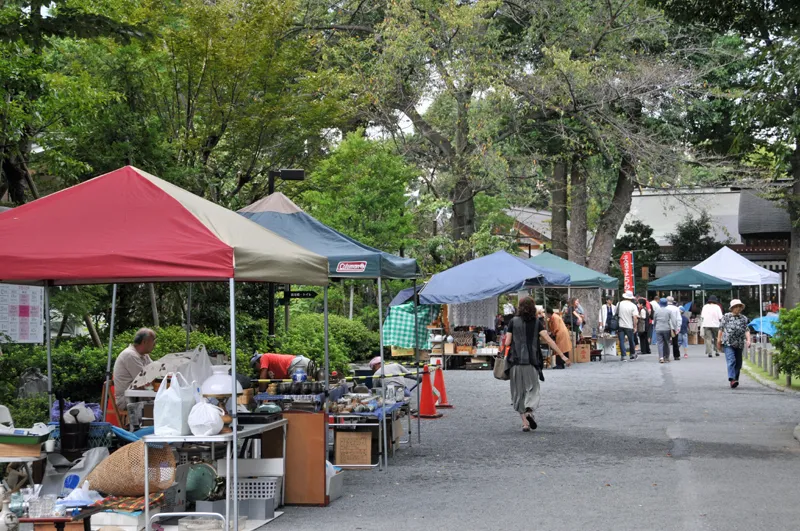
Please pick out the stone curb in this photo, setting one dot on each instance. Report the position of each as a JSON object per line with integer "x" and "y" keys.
{"x": 767, "y": 383}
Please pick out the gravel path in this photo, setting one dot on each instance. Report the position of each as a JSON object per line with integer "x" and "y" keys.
{"x": 620, "y": 446}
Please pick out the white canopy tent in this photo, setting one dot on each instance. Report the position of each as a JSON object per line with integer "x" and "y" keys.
{"x": 729, "y": 265}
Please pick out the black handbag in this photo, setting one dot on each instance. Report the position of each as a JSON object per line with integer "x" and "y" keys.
{"x": 612, "y": 322}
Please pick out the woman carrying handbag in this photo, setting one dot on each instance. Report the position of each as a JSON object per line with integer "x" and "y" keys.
{"x": 523, "y": 362}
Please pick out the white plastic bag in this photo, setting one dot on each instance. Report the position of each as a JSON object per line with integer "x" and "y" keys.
{"x": 172, "y": 406}
{"x": 205, "y": 419}
{"x": 199, "y": 368}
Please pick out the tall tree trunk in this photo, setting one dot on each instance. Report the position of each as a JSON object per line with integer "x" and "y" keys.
{"x": 87, "y": 320}
{"x": 558, "y": 207}
{"x": 463, "y": 210}
{"x": 793, "y": 265}
{"x": 578, "y": 213}
{"x": 61, "y": 328}
{"x": 153, "y": 304}
{"x": 612, "y": 218}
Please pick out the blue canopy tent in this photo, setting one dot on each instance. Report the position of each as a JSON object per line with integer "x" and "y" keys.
{"x": 486, "y": 277}
{"x": 347, "y": 258}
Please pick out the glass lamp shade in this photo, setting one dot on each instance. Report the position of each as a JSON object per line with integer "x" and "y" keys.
{"x": 219, "y": 383}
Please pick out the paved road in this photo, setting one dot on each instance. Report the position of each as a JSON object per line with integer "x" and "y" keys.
{"x": 633, "y": 446}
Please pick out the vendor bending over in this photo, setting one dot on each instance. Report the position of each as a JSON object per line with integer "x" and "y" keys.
{"x": 279, "y": 367}
{"x": 397, "y": 374}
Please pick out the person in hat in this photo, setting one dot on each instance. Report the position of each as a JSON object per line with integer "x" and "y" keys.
{"x": 628, "y": 316}
{"x": 734, "y": 337}
{"x": 675, "y": 319}
{"x": 710, "y": 317}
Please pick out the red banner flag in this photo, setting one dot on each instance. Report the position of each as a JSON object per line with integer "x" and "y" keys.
{"x": 626, "y": 263}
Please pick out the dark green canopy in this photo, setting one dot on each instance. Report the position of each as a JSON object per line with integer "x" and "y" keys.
{"x": 688, "y": 279}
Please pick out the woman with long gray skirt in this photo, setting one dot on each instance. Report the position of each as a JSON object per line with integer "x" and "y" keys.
{"x": 524, "y": 359}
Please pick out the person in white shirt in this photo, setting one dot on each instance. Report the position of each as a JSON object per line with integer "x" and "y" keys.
{"x": 628, "y": 315}
{"x": 710, "y": 317}
{"x": 607, "y": 310}
{"x": 675, "y": 324}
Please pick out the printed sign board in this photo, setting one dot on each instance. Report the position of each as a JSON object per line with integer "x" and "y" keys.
{"x": 21, "y": 314}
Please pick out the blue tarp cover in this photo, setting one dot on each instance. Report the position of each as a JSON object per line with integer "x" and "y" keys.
{"x": 347, "y": 258}
{"x": 486, "y": 277}
{"x": 765, "y": 325}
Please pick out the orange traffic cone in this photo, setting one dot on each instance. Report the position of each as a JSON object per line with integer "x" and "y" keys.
{"x": 438, "y": 383}
{"x": 427, "y": 407}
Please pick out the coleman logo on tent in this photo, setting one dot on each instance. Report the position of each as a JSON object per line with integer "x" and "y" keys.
{"x": 351, "y": 267}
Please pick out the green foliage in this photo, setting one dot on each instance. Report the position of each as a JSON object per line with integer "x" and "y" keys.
{"x": 693, "y": 239}
{"x": 638, "y": 237}
{"x": 360, "y": 190}
{"x": 27, "y": 412}
{"x": 787, "y": 341}
{"x": 348, "y": 340}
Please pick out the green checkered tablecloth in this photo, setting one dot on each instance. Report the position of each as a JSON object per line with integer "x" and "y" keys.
{"x": 398, "y": 329}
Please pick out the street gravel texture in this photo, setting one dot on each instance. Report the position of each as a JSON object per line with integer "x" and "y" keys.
{"x": 620, "y": 446}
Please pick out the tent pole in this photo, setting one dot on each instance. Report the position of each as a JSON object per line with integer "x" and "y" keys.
{"x": 416, "y": 358}
{"x": 48, "y": 341}
{"x": 760, "y": 312}
{"x": 571, "y": 332}
{"x": 287, "y": 295}
{"x": 352, "y": 288}
{"x": 383, "y": 374}
{"x": 234, "y": 413}
{"x": 325, "y": 325}
{"x": 110, "y": 349}
{"x": 780, "y": 286}
{"x": 189, "y": 317}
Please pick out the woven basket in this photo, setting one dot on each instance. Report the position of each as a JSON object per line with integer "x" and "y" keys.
{"x": 122, "y": 473}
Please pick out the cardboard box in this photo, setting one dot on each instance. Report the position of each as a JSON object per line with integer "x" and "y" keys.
{"x": 449, "y": 348}
{"x": 20, "y": 450}
{"x": 353, "y": 448}
{"x": 257, "y": 509}
{"x": 583, "y": 354}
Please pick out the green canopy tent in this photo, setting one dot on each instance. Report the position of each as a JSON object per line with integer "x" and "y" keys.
{"x": 688, "y": 279}
{"x": 580, "y": 277}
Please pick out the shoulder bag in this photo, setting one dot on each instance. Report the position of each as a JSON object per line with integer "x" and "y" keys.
{"x": 500, "y": 364}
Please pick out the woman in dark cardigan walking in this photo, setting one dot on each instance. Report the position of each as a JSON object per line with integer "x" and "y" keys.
{"x": 524, "y": 359}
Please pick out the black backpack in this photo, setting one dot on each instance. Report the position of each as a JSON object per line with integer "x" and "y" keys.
{"x": 612, "y": 322}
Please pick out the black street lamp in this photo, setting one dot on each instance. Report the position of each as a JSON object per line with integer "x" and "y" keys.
{"x": 286, "y": 175}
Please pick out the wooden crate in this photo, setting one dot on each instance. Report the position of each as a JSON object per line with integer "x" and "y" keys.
{"x": 20, "y": 450}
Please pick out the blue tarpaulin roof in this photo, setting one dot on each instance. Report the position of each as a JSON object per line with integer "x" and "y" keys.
{"x": 347, "y": 258}
{"x": 765, "y": 325}
{"x": 486, "y": 277}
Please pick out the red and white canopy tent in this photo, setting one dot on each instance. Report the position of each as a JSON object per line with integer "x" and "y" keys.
{"x": 128, "y": 226}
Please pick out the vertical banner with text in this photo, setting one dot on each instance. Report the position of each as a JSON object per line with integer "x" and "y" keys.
{"x": 626, "y": 263}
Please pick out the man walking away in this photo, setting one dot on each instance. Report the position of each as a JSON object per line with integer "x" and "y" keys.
{"x": 641, "y": 329}
{"x": 628, "y": 315}
{"x": 710, "y": 317}
{"x": 675, "y": 320}
{"x": 662, "y": 324}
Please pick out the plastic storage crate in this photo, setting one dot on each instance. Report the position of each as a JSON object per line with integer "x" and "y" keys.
{"x": 99, "y": 434}
{"x": 260, "y": 488}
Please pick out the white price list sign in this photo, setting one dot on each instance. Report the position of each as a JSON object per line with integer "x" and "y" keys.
{"x": 21, "y": 314}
